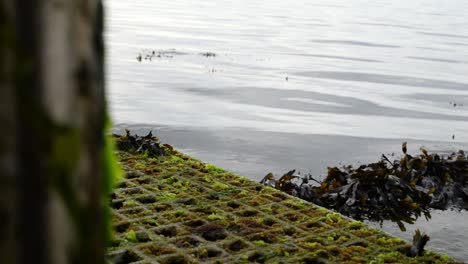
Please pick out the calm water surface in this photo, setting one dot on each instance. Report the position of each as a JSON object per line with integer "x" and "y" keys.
{"x": 296, "y": 84}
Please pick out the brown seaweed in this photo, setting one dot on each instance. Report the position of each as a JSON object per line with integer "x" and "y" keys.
{"x": 399, "y": 190}
{"x": 137, "y": 144}
{"x": 419, "y": 242}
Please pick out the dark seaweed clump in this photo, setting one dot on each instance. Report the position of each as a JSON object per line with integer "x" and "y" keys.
{"x": 399, "y": 190}
{"x": 148, "y": 144}
{"x": 419, "y": 242}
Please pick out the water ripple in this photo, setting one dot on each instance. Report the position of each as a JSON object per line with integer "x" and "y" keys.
{"x": 444, "y": 35}
{"x": 384, "y": 25}
{"x": 386, "y": 79}
{"x": 355, "y": 43}
{"x": 434, "y": 59}
{"x": 336, "y": 57}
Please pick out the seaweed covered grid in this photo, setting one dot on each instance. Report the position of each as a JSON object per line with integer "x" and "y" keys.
{"x": 175, "y": 209}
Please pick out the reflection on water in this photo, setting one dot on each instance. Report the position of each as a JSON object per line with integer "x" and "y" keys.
{"x": 291, "y": 72}
{"x": 390, "y": 62}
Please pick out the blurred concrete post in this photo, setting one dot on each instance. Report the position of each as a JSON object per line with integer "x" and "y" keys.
{"x": 52, "y": 116}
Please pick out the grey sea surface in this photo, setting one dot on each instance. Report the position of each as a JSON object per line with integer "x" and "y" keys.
{"x": 296, "y": 84}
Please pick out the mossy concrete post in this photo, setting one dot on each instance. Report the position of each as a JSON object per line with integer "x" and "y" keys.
{"x": 52, "y": 111}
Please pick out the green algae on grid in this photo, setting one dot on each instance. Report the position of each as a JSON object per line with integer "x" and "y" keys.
{"x": 295, "y": 204}
{"x": 232, "y": 219}
{"x": 312, "y": 245}
{"x": 392, "y": 241}
{"x": 129, "y": 203}
{"x": 220, "y": 186}
{"x": 165, "y": 196}
{"x": 216, "y": 217}
{"x": 131, "y": 236}
{"x": 354, "y": 225}
{"x": 213, "y": 168}
{"x": 170, "y": 180}
{"x": 391, "y": 257}
{"x": 259, "y": 243}
{"x": 176, "y": 159}
{"x": 151, "y": 222}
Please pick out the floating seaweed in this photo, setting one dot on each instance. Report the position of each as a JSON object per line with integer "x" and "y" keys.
{"x": 137, "y": 144}
{"x": 153, "y": 54}
{"x": 455, "y": 104}
{"x": 208, "y": 54}
{"x": 399, "y": 190}
{"x": 150, "y": 55}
